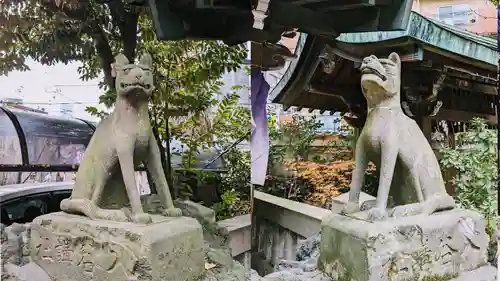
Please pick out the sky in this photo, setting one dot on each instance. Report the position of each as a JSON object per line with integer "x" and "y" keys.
{"x": 51, "y": 87}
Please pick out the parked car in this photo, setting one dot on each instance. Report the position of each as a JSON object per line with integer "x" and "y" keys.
{"x": 21, "y": 203}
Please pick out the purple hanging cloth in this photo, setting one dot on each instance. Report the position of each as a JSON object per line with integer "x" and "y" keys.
{"x": 259, "y": 141}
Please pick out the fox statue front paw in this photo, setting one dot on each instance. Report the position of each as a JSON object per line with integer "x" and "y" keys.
{"x": 368, "y": 204}
{"x": 172, "y": 212}
{"x": 143, "y": 218}
{"x": 376, "y": 214}
{"x": 349, "y": 208}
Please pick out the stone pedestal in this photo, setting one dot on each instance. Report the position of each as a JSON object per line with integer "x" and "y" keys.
{"x": 399, "y": 249}
{"x": 167, "y": 249}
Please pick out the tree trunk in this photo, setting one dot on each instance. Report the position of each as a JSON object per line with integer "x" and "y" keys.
{"x": 168, "y": 159}
{"x": 163, "y": 160}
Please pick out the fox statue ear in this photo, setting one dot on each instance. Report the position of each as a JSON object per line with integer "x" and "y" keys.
{"x": 146, "y": 60}
{"x": 395, "y": 58}
{"x": 120, "y": 60}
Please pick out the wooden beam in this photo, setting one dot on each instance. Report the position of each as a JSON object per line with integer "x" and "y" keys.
{"x": 463, "y": 116}
{"x": 463, "y": 73}
{"x": 471, "y": 86}
{"x": 457, "y": 75}
{"x": 305, "y": 2}
{"x": 462, "y": 59}
{"x": 307, "y": 20}
{"x": 347, "y": 5}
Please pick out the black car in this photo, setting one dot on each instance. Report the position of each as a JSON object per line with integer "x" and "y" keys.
{"x": 21, "y": 203}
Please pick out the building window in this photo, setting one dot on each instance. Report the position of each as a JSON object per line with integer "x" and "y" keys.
{"x": 457, "y": 15}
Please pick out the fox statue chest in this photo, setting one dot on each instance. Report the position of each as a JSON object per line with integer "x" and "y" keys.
{"x": 377, "y": 128}
{"x": 135, "y": 136}
{"x": 141, "y": 147}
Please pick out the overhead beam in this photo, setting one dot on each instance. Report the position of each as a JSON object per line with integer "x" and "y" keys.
{"x": 463, "y": 116}
{"x": 307, "y": 20}
{"x": 305, "y": 2}
{"x": 340, "y": 5}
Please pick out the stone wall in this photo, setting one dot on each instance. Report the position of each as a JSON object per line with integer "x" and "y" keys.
{"x": 15, "y": 252}
{"x": 14, "y": 247}
{"x": 287, "y": 215}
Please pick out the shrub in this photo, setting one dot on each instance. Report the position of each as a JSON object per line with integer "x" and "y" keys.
{"x": 475, "y": 161}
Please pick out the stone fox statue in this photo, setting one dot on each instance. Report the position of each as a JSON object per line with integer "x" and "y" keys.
{"x": 395, "y": 144}
{"x": 105, "y": 181}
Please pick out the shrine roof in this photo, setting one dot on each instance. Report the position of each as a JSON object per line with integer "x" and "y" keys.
{"x": 436, "y": 34}
{"x": 305, "y": 84}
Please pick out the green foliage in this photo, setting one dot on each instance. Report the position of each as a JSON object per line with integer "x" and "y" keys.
{"x": 186, "y": 72}
{"x": 328, "y": 172}
{"x": 57, "y": 31}
{"x": 293, "y": 188}
{"x": 235, "y": 186}
{"x": 96, "y": 112}
{"x": 238, "y": 163}
{"x": 293, "y": 138}
{"x": 291, "y": 141}
{"x": 231, "y": 205}
{"x": 230, "y": 122}
{"x": 185, "y": 182}
{"x": 475, "y": 161}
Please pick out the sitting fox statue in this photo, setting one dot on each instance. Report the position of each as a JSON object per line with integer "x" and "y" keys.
{"x": 105, "y": 185}
{"x": 407, "y": 164}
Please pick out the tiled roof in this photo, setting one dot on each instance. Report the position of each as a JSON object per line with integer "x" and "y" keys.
{"x": 437, "y": 34}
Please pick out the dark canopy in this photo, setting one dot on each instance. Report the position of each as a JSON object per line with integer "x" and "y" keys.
{"x": 30, "y": 138}
{"x": 38, "y": 138}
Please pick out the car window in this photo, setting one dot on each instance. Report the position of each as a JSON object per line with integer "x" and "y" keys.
{"x": 55, "y": 200}
{"x": 25, "y": 209}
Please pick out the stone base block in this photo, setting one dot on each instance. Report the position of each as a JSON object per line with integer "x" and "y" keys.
{"x": 400, "y": 249}
{"x": 167, "y": 249}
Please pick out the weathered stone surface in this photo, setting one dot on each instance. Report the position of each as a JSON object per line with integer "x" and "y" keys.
{"x": 254, "y": 276}
{"x": 409, "y": 170}
{"x": 485, "y": 273}
{"x": 338, "y": 202}
{"x": 167, "y": 249}
{"x": 305, "y": 268}
{"x": 296, "y": 276}
{"x": 215, "y": 236}
{"x": 27, "y": 272}
{"x": 308, "y": 248}
{"x": 195, "y": 210}
{"x": 105, "y": 186}
{"x": 306, "y": 263}
{"x": 64, "y": 272}
{"x": 14, "y": 246}
{"x": 397, "y": 249}
{"x": 226, "y": 269}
